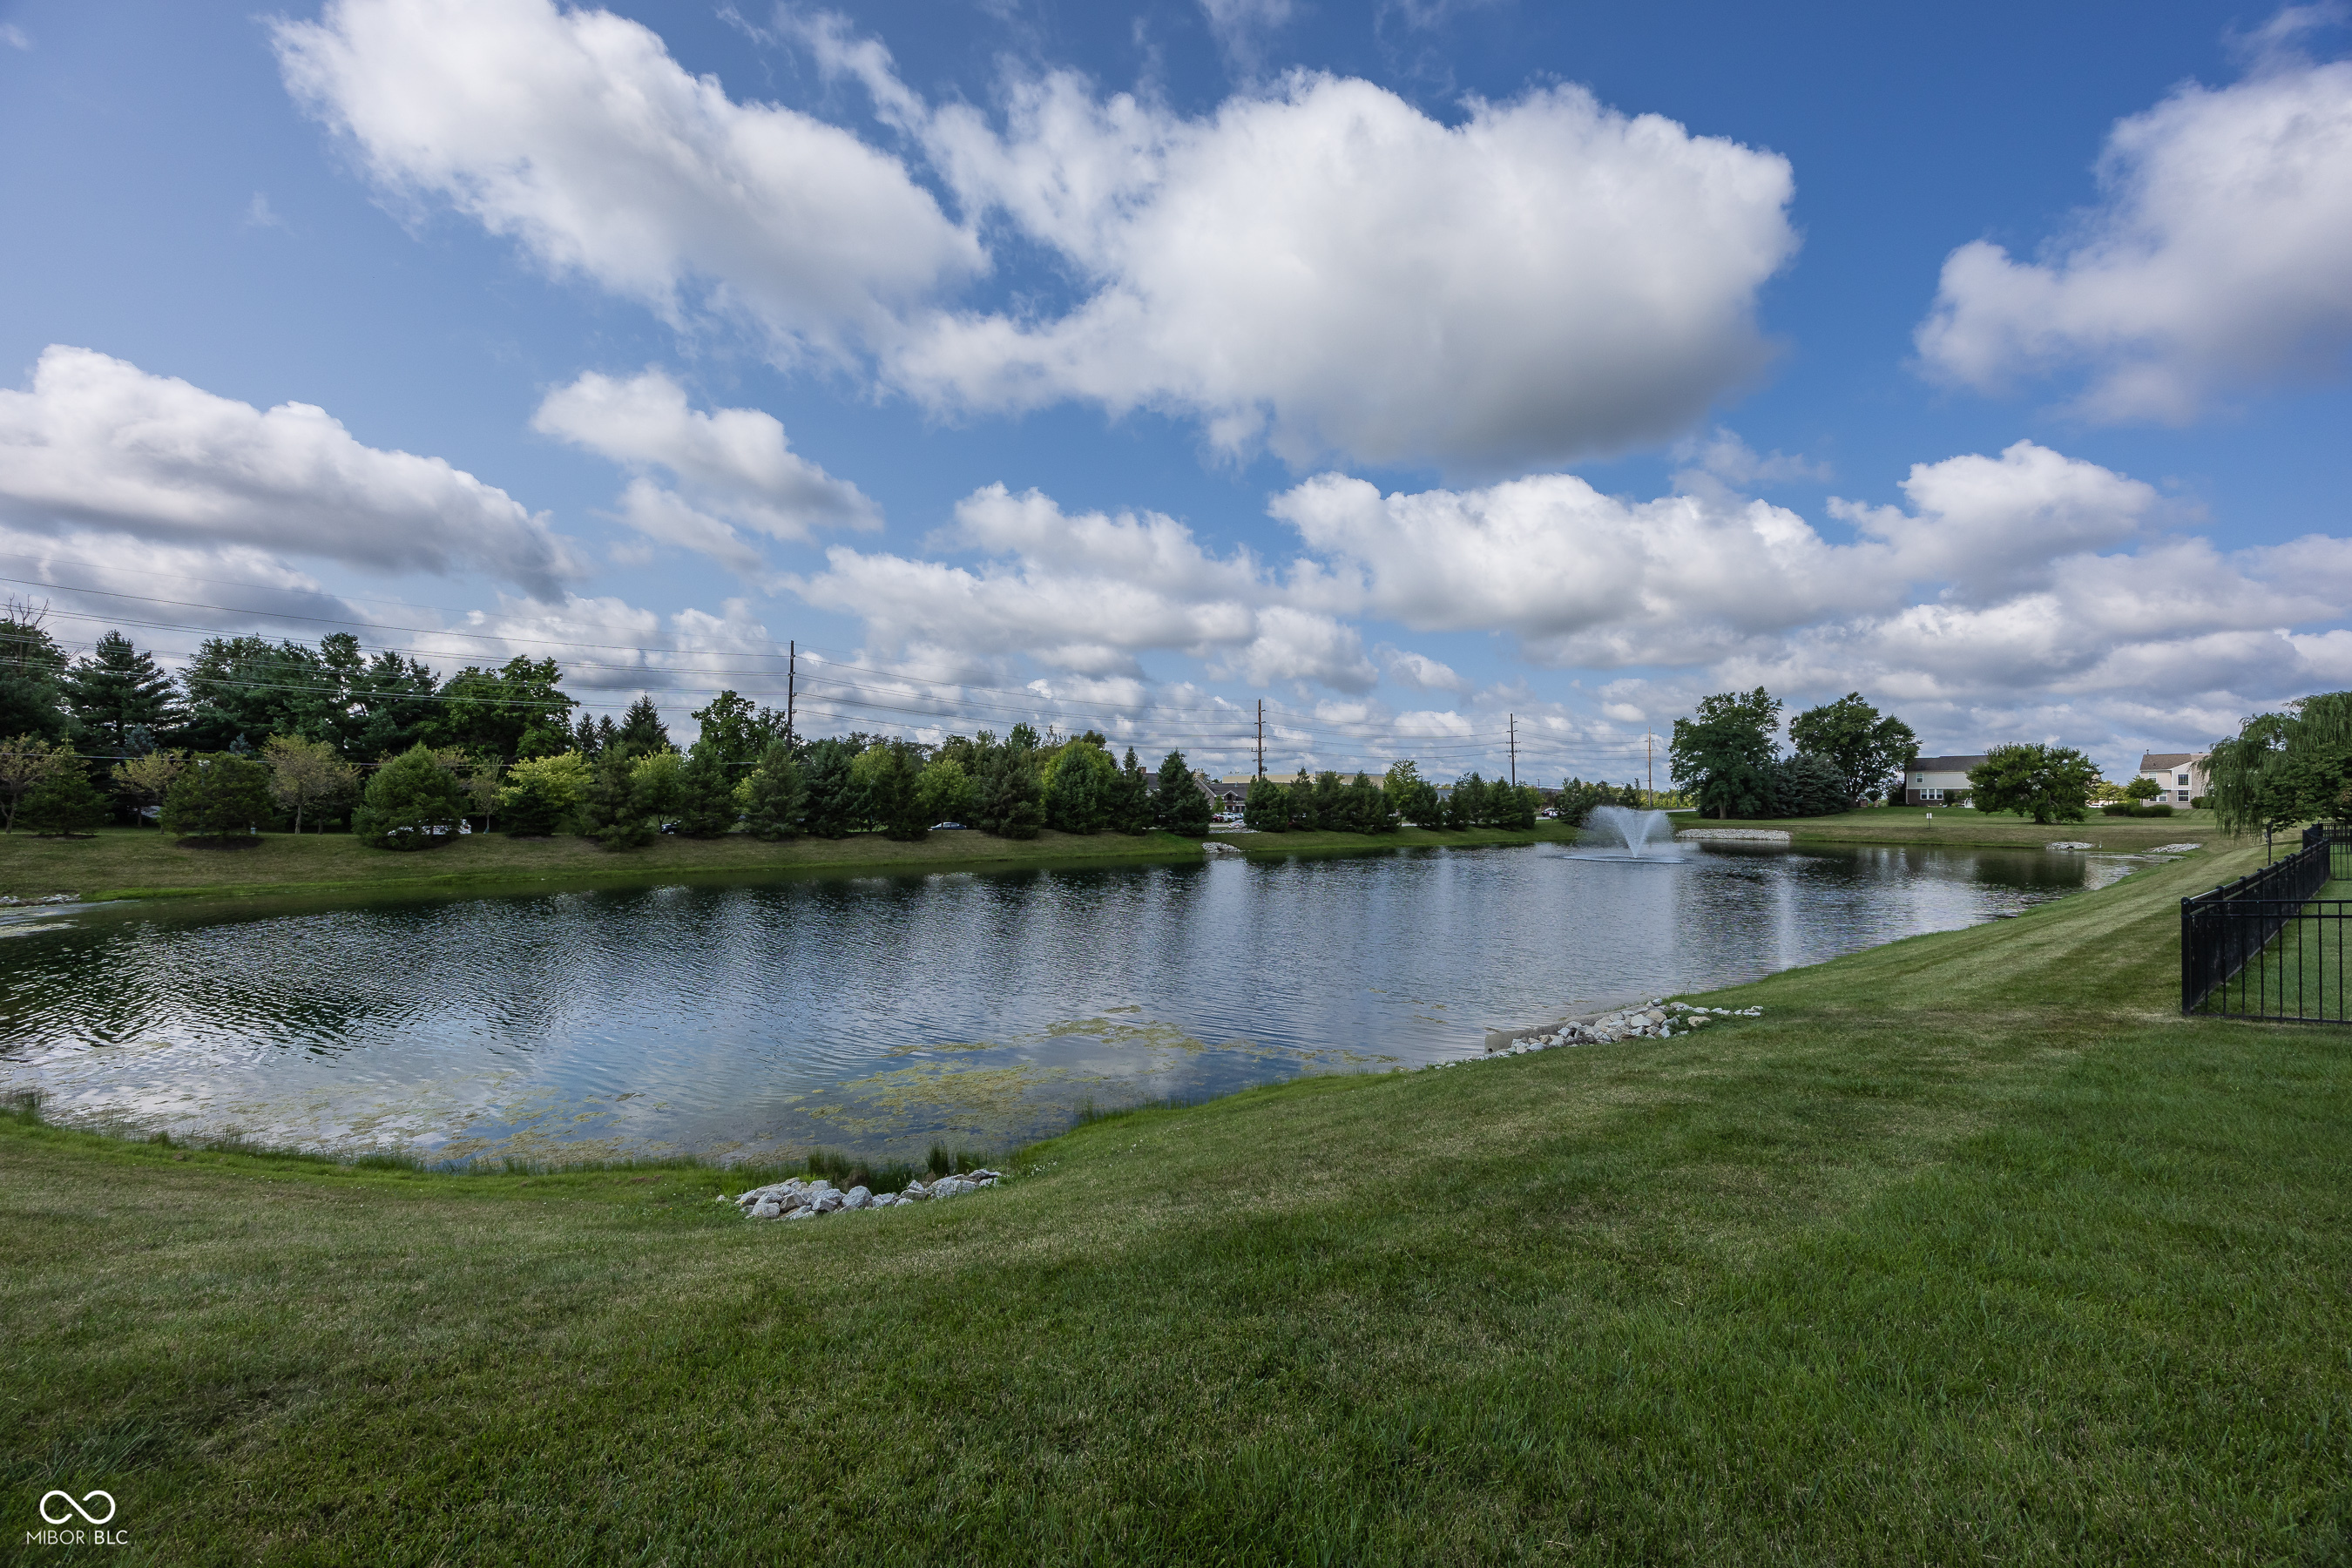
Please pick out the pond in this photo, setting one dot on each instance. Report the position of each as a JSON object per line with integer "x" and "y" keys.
{"x": 875, "y": 1015}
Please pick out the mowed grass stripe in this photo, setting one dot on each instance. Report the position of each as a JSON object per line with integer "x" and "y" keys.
{"x": 1969, "y": 1250}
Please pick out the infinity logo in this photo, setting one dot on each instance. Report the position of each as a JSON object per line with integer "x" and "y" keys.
{"x": 68, "y": 1518}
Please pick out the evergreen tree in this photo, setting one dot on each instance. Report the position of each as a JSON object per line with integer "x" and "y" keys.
{"x": 1298, "y": 798}
{"x": 775, "y": 796}
{"x": 611, "y": 807}
{"x": 1265, "y": 809}
{"x": 115, "y": 689}
{"x": 586, "y": 739}
{"x": 412, "y": 802}
{"x": 1183, "y": 805}
{"x": 1468, "y": 806}
{"x": 1078, "y": 797}
{"x": 65, "y": 804}
{"x": 387, "y": 703}
{"x": 892, "y": 793}
{"x": 826, "y": 773}
{"x": 219, "y": 796}
{"x": 642, "y": 730}
{"x": 1809, "y": 785}
{"x": 1007, "y": 800}
{"x": 1411, "y": 796}
{"x": 1510, "y": 805}
{"x": 1131, "y": 812}
{"x": 706, "y": 807}
{"x": 1331, "y": 803}
{"x": 1361, "y": 804}
{"x": 32, "y": 701}
{"x": 1382, "y": 813}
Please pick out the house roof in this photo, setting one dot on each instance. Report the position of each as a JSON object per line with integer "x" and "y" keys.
{"x": 2156, "y": 762}
{"x": 1947, "y": 764}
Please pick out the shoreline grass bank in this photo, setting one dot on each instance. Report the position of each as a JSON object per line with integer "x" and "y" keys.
{"x": 137, "y": 863}
{"x": 1971, "y": 1249}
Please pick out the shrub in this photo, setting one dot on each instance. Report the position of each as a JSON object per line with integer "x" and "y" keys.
{"x": 412, "y": 803}
{"x": 2159, "y": 809}
{"x": 64, "y": 805}
{"x": 219, "y": 796}
{"x": 543, "y": 795}
{"x": 2118, "y": 808}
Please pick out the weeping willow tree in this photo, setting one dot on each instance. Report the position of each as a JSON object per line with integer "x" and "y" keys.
{"x": 2285, "y": 768}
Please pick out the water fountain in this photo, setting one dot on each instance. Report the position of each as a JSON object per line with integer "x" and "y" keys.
{"x": 1611, "y": 825}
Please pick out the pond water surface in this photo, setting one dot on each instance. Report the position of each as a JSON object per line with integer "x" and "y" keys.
{"x": 876, "y": 1015}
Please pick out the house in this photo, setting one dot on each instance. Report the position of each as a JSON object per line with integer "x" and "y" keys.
{"x": 2180, "y": 775}
{"x": 1939, "y": 781}
{"x": 1230, "y": 792}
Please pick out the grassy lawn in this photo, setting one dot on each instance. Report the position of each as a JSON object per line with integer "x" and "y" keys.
{"x": 129, "y": 862}
{"x": 1984, "y": 829}
{"x": 1969, "y": 1250}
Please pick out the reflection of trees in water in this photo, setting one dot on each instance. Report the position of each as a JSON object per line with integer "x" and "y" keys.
{"x": 729, "y": 1005}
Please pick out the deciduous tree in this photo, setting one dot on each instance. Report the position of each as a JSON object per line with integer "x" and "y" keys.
{"x": 26, "y": 763}
{"x": 147, "y": 777}
{"x": 1868, "y": 751}
{"x": 1724, "y": 753}
{"x": 304, "y": 775}
{"x": 542, "y": 796}
{"x": 2050, "y": 783}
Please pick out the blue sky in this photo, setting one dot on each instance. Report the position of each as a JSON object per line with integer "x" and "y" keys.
{"x": 1406, "y": 366}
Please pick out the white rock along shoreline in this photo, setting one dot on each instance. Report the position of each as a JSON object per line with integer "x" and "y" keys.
{"x": 1654, "y": 1020}
{"x": 812, "y": 1198}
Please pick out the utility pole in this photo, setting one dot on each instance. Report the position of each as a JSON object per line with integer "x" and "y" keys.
{"x": 1515, "y": 749}
{"x": 792, "y": 687}
{"x": 1650, "y": 762}
{"x": 1261, "y": 736}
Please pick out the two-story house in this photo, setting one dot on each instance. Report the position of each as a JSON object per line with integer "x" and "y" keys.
{"x": 2180, "y": 775}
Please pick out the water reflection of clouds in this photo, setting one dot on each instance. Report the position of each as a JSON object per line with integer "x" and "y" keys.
{"x": 743, "y": 1017}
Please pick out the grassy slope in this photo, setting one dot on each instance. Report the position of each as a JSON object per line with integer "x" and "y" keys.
{"x": 126, "y": 862}
{"x": 1969, "y": 1250}
{"x": 1941, "y": 824}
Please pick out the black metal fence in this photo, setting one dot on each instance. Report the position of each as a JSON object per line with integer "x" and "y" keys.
{"x": 2267, "y": 945}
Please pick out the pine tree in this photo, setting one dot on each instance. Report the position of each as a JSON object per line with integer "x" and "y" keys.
{"x": 1265, "y": 809}
{"x": 611, "y": 809}
{"x": 832, "y": 808}
{"x": 775, "y": 796}
{"x": 1077, "y": 800}
{"x": 1298, "y": 798}
{"x": 642, "y": 730}
{"x": 892, "y": 795}
{"x": 1006, "y": 799}
{"x": 1468, "y": 808}
{"x": 114, "y": 690}
{"x": 220, "y": 797}
{"x": 413, "y": 801}
{"x": 1331, "y": 803}
{"x": 1133, "y": 813}
{"x": 1183, "y": 805}
{"x": 705, "y": 804}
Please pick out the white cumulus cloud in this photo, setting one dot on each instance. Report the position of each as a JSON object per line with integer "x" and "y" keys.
{"x": 96, "y": 442}
{"x": 731, "y": 470}
{"x": 2215, "y": 260}
{"x": 574, "y": 132}
{"x": 1317, "y": 266}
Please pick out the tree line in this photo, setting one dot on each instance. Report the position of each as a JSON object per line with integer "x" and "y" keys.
{"x": 1726, "y": 756}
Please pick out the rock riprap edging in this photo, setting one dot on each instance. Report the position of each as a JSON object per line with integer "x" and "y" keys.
{"x": 1655, "y": 1021}
{"x": 1733, "y": 836}
{"x": 810, "y": 1199}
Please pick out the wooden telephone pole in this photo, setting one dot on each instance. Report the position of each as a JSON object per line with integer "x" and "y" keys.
{"x": 1261, "y": 736}
{"x": 1515, "y": 749}
{"x": 792, "y": 687}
